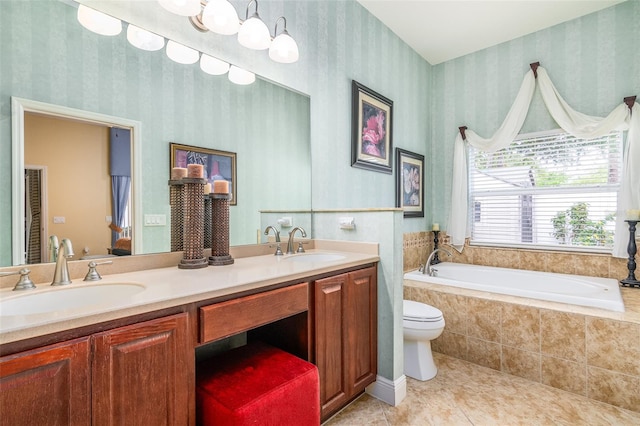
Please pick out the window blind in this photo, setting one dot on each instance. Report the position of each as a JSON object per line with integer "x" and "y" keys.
{"x": 546, "y": 190}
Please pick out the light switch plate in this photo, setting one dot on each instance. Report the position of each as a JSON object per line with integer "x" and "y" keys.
{"x": 155, "y": 220}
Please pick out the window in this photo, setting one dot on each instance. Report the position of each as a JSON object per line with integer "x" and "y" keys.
{"x": 550, "y": 190}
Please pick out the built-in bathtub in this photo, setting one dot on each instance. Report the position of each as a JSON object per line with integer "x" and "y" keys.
{"x": 574, "y": 289}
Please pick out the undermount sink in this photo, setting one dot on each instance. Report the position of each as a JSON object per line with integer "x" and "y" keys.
{"x": 68, "y": 297}
{"x": 315, "y": 257}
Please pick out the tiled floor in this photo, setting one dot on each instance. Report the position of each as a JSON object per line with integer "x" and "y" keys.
{"x": 467, "y": 394}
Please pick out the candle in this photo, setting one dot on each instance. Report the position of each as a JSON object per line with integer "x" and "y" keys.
{"x": 207, "y": 188}
{"x": 178, "y": 173}
{"x": 220, "y": 187}
{"x": 195, "y": 171}
{"x": 435, "y": 227}
{"x": 633, "y": 214}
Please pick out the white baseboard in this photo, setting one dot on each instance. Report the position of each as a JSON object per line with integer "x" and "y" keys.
{"x": 391, "y": 392}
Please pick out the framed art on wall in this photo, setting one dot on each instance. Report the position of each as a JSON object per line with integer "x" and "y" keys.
{"x": 371, "y": 124}
{"x": 218, "y": 165}
{"x": 410, "y": 182}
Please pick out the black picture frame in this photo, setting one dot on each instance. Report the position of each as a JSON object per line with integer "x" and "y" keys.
{"x": 214, "y": 161}
{"x": 372, "y": 130}
{"x": 410, "y": 182}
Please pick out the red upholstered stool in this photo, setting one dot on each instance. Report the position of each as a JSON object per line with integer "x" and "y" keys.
{"x": 258, "y": 384}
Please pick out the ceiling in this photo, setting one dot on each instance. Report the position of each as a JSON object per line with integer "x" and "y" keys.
{"x": 441, "y": 30}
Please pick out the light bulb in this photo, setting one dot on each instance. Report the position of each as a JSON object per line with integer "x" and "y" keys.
{"x": 181, "y": 53}
{"x": 254, "y": 34}
{"x": 182, "y": 7}
{"x": 213, "y": 66}
{"x": 240, "y": 76}
{"x": 220, "y": 17}
{"x": 98, "y": 22}
{"x": 284, "y": 49}
{"x": 143, "y": 39}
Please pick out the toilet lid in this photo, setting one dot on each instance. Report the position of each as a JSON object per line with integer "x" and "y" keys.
{"x": 416, "y": 311}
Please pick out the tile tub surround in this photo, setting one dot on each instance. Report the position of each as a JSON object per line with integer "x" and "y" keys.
{"x": 587, "y": 351}
{"x": 418, "y": 245}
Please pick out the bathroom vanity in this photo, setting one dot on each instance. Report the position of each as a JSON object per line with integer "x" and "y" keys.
{"x": 135, "y": 363}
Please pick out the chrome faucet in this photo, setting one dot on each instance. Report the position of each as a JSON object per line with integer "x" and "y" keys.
{"x": 290, "y": 243}
{"x": 277, "y": 233}
{"x": 54, "y": 245}
{"x": 427, "y": 268}
{"x": 61, "y": 274}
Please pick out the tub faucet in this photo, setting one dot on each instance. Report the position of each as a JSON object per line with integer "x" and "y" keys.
{"x": 427, "y": 268}
{"x": 290, "y": 243}
{"x": 277, "y": 233}
{"x": 61, "y": 274}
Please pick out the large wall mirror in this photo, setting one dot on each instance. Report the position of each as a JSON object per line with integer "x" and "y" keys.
{"x": 60, "y": 70}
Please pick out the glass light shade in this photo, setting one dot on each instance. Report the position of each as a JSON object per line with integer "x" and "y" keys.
{"x": 284, "y": 49}
{"x": 98, "y": 22}
{"x": 181, "y": 53}
{"x": 143, "y": 39}
{"x": 221, "y": 17}
{"x": 182, "y": 7}
{"x": 254, "y": 34}
{"x": 213, "y": 66}
{"x": 240, "y": 76}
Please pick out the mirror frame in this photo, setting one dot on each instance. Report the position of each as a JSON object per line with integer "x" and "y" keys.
{"x": 18, "y": 108}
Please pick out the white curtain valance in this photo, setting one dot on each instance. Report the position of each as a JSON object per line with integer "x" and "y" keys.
{"x": 575, "y": 123}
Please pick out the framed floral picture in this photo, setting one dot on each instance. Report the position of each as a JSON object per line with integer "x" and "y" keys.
{"x": 410, "y": 183}
{"x": 218, "y": 165}
{"x": 371, "y": 123}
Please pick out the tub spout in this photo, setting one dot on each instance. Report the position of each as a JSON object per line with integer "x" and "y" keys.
{"x": 428, "y": 268}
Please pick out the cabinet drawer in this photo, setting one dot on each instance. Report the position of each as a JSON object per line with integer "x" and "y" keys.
{"x": 225, "y": 319}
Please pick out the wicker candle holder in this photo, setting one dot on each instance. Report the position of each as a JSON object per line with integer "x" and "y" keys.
{"x": 176, "y": 200}
{"x": 220, "y": 230}
{"x": 193, "y": 241}
{"x": 208, "y": 211}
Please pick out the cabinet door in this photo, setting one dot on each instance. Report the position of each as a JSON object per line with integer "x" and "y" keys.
{"x": 329, "y": 335}
{"x": 361, "y": 325}
{"x": 47, "y": 386}
{"x": 143, "y": 374}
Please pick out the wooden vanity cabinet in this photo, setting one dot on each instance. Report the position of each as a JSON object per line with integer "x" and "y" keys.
{"x": 47, "y": 386}
{"x": 140, "y": 374}
{"x": 345, "y": 324}
{"x": 143, "y": 373}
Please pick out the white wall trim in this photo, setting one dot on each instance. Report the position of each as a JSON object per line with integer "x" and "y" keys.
{"x": 18, "y": 107}
{"x": 391, "y": 392}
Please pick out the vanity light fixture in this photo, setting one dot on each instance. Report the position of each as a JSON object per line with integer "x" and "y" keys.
{"x": 240, "y": 76}
{"x": 143, "y": 39}
{"x": 220, "y": 17}
{"x": 253, "y": 32}
{"x": 98, "y": 22}
{"x": 213, "y": 66}
{"x": 181, "y": 7}
{"x": 181, "y": 53}
{"x": 283, "y": 48}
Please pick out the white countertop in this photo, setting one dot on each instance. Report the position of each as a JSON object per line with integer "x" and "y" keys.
{"x": 170, "y": 287}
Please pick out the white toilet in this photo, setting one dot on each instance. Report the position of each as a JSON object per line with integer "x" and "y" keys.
{"x": 421, "y": 323}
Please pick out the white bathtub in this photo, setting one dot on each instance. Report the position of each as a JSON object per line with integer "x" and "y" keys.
{"x": 575, "y": 289}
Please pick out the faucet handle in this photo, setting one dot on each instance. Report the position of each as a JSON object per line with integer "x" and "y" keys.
{"x": 93, "y": 274}
{"x": 300, "y": 248}
{"x": 24, "y": 283}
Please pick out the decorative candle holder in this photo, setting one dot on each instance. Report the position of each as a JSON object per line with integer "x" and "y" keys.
{"x": 176, "y": 200}
{"x": 631, "y": 280}
{"x": 220, "y": 230}
{"x": 193, "y": 257}
{"x": 208, "y": 211}
{"x": 435, "y": 260}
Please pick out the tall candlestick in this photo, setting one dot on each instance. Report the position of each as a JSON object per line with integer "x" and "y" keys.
{"x": 631, "y": 280}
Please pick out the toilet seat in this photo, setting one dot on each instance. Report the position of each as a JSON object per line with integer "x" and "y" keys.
{"x": 420, "y": 312}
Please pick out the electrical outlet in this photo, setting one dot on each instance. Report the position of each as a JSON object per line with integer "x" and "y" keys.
{"x": 58, "y": 219}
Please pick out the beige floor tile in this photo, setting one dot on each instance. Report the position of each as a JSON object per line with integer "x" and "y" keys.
{"x": 467, "y": 394}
